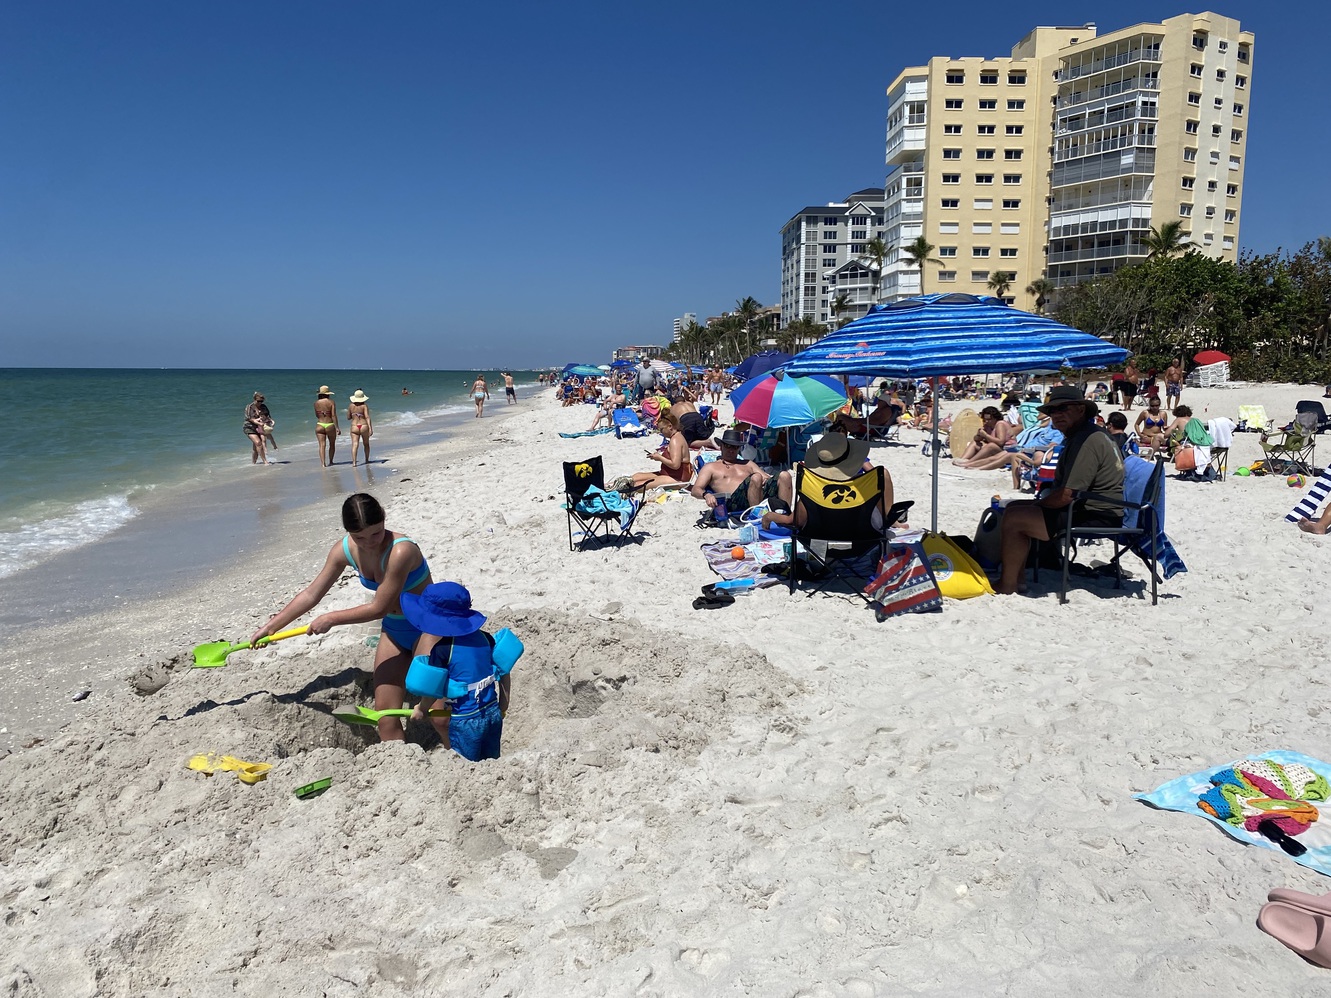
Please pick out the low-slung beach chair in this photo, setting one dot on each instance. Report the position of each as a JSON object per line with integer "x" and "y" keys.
{"x": 1291, "y": 449}
{"x": 596, "y": 514}
{"x": 838, "y": 534}
{"x": 627, "y": 424}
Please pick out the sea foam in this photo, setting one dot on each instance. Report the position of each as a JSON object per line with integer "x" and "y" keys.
{"x": 84, "y": 523}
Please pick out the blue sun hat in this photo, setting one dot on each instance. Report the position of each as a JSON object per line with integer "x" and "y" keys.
{"x": 444, "y": 609}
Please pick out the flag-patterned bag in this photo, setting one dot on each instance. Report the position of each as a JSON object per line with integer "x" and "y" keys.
{"x": 904, "y": 583}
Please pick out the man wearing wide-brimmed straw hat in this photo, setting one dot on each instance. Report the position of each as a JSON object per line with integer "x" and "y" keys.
{"x": 1090, "y": 462}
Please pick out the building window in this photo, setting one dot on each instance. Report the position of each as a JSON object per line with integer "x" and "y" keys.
{"x": 985, "y": 129}
{"x": 857, "y": 247}
{"x": 1235, "y": 162}
{"x": 1185, "y": 210}
{"x": 1207, "y": 239}
{"x": 1009, "y": 228}
{"x": 1222, "y": 45}
{"x": 829, "y": 248}
{"x": 830, "y": 220}
{"x": 1230, "y": 215}
{"x": 952, "y": 154}
{"x": 1243, "y": 53}
{"x": 1195, "y": 70}
{"x": 1010, "y": 203}
{"x": 1231, "y": 190}
{"x": 984, "y": 178}
{"x": 1220, "y": 102}
{"x": 952, "y": 103}
{"x": 982, "y": 228}
{"x": 810, "y": 290}
{"x": 983, "y": 204}
{"x": 1210, "y": 185}
{"x": 1199, "y": 41}
{"x": 989, "y": 105}
{"x": 1238, "y": 110}
{"x": 1227, "y": 243}
{"x": 947, "y": 276}
{"x": 1189, "y": 155}
{"x": 1008, "y": 252}
{"x": 984, "y": 154}
{"x": 1011, "y": 178}
{"x": 951, "y": 203}
{"x": 1016, "y": 79}
{"x": 1215, "y": 129}
{"x": 1015, "y": 129}
{"x": 949, "y": 228}
{"x": 829, "y": 235}
{"x": 1215, "y": 156}
{"x": 988, "y": 79}
{"x": 1210, "y": 211}
{"x": 979, "y": 276}
{"x": 829, "y": 262}
{"x": 955, "y": 76}
{"x": 1236, "y": 135}
{"x": 1195, "y": 99}
{"x": 1010, "y": 154}
{"x": 1188, "y": 183}
{"x": 859, "y": 234}
{"x": 1016, "y": 105}
{"x": 1190, "y": 126}
{"x": 952, "y": 178}
{"x": 1220, "y": 75}
{"x": 947, "y": 251}
{"x": 951, "y": 129}
{"x": 1241, "y": 82}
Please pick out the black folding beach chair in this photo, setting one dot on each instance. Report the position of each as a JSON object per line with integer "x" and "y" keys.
{"x": 838, "y": 536}
{"x": 595, "y": 525}
{"x": 1145, "y": 525}
{"x": 1317, "y": 409}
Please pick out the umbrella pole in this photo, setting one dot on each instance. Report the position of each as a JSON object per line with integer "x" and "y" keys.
{"x": 933, "y": 417}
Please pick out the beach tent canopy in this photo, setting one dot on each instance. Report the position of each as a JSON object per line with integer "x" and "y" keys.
{"x": 581, "y": 371}
{"x": 776, "y": 400}
{"x": 934, "y": 336}
{"x": 759, "y": 363}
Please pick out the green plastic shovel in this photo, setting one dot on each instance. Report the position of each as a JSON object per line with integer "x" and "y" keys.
{"x": 368, "y": 716}
{"x": 214, "y": 653}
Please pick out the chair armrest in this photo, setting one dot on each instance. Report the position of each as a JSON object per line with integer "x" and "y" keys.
{"x": 1120, "y": 503}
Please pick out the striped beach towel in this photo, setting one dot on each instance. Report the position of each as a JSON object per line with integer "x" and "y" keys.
{"x": 1312, "y": 500}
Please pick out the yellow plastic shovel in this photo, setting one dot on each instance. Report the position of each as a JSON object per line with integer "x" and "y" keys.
{"x": 214, "y": 653}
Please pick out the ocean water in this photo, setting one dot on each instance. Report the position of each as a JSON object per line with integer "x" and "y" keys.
{"x": 93, "y": 446}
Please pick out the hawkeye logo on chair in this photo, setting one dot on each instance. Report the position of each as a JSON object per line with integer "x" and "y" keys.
{"x": 582, "y": 470}
{"x": 841, "y": 494}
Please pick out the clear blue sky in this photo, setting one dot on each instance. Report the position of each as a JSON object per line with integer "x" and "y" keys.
{"x": 431, "y": 184}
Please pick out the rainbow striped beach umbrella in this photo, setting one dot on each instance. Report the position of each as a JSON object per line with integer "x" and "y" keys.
{"x": 780, "y": 400}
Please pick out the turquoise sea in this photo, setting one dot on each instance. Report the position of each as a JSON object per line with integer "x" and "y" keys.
{"x": 87, "y": 448}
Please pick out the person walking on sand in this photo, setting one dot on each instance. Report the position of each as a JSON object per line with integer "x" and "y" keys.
{"x": 362, "y": 427}
{"x": 479, "y": 393}
{"x": 510, "y": 391}
{"x": 388, "y": 564}
{"x": 1174, "y": 383}
{"x": 326, "y": 429}
{"x": 256, "y": 423}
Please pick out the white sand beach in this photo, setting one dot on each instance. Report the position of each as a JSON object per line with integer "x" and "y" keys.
{"x": 780, "y": 797}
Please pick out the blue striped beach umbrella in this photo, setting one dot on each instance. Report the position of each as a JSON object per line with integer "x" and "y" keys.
{"x": 934, "y": 336}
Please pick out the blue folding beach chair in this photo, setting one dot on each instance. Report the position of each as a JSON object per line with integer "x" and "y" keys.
{"x": 627, "y": 424}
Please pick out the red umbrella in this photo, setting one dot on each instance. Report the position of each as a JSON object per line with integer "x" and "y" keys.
{"x": 1211, "y": 357}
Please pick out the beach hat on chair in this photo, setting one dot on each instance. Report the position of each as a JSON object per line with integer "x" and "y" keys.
{"x": 836, "y": 456}
{"x": 444, "y": 609}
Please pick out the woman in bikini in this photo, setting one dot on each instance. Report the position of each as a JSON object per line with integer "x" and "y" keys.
{"x": 675, "y": 457}
{"x": 362, "y": 427}
{"x": 388, "y": 564}
{"x": 325, "y": 425}
{"x": 1150, "y": 425}
{"x": 479, "y": 393}
{"x": 256, "y": 423}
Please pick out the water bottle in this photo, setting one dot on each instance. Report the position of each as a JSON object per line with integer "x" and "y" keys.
{"x": 996, "y": 502}
{"x": 722, "y": 516}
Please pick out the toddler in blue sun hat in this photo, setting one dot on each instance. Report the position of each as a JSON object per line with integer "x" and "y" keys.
{"x": 458, "y": 662}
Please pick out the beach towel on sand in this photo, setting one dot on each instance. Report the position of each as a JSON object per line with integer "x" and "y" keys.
{"x": 1283, "y": 788}
{"x": 587, "y": 433}
{"x": 720, "y": 560}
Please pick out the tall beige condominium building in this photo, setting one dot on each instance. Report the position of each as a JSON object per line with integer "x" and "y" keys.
{"x": 1057, "y": 161}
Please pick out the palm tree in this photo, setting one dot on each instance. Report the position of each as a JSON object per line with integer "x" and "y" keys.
{"x": 799, "y": 334}
{"x": 1042, "y": 290}
{"x": 918, "y": 253}
{"x": 1165, "y": 241}
{"x": 747, "y": 310}
{"x": 875, "y": 252}
{"x": 841, "y": 303}
{"x": 1000, "y": 282}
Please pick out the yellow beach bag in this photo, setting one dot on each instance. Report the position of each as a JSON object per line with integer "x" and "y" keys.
{"x": 958, "y": 575}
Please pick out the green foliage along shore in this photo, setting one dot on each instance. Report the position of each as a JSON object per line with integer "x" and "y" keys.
{"x": 1271, "y": 314}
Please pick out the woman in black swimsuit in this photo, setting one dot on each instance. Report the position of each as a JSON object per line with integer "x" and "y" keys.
{"x": 257, "y": 423}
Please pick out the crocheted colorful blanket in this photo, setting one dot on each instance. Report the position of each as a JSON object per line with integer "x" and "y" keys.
{"x": 1273, "y": 800}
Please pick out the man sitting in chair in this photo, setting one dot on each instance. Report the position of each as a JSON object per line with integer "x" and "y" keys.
{"x": 740, "y": 484}
{"x": 837, "y": 458}
{"x": 1090, "y": 462}
{"x": 883, "y": 414}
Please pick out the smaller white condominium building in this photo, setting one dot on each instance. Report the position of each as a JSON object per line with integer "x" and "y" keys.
{"x": 823, "y": 256}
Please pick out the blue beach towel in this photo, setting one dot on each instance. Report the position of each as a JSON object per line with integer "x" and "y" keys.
{"x": 599, "y": 501}
{"x": 627, "y": 424}
{"x": 1286, "y": 787}
{"x": 587, "y": 433}
{"x": 1136, "y": 473}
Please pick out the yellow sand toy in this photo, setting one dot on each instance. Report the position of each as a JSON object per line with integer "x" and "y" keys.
{"x": 247, "y": 772}
{"x": 214, "y": 653}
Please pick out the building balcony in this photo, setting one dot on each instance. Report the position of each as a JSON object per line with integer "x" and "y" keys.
{"x": 1095, "y": 253}
{"x": 1107, "y": 92}
{"x": 904, "y": 142}
{"x": 1147, "y": 54}
{"x": 1104, "y": 145}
